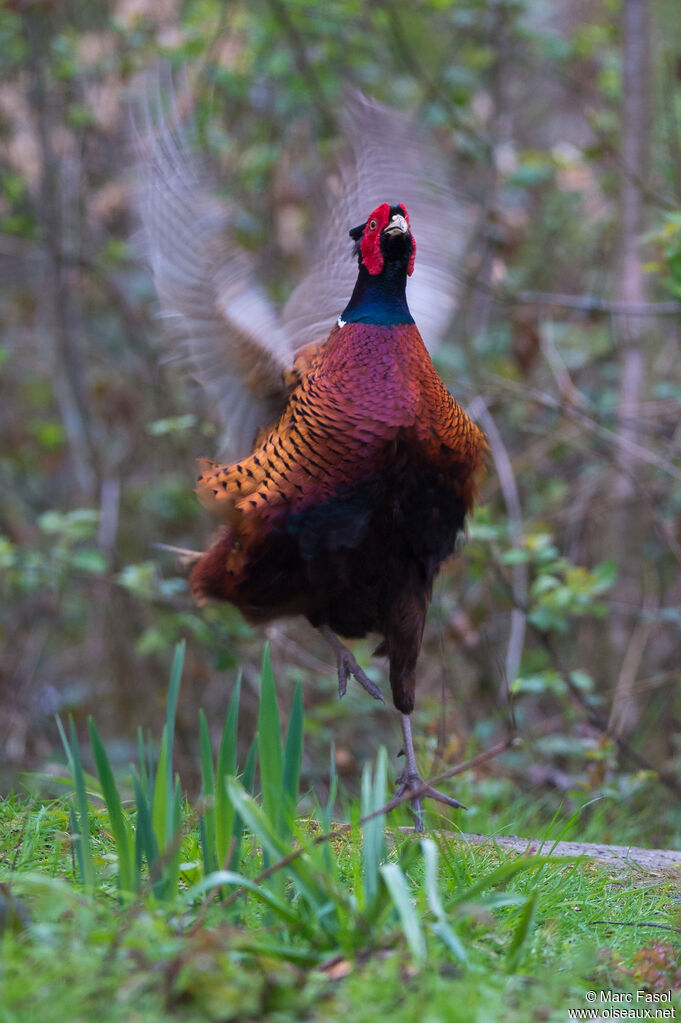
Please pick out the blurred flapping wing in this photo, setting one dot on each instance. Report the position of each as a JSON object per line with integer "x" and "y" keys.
{"x": 222, "y": 325}
{"x": 392, "y": 159}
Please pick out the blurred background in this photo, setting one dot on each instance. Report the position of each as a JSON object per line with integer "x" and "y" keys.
{"x": 560, "y": 123}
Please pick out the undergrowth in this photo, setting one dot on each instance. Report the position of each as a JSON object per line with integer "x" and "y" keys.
{"x": 121, "y": 901}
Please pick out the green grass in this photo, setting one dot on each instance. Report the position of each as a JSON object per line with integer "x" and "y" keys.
{"x": 241, "y": 908}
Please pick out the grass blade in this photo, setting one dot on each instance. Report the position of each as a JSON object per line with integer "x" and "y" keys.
{"x": 373, "y": 798}
{"x": 226, "y": 767}
{"x": 506, "y": 871}
{"x": 257, "y": 820}
{"x": 396, "y": 884}
{"x": 278, "y": 848}
{"x": 220, "y": 878}
{"x": 293, "y": 755}
{"x": 80, "y": 821}
{"x": 207, "y": 821}
{"x": 170, "y": 869}
{"x": 247, "y": 782}
{"x": 160, "y": 807}
{"x": 171, "y": 713}
{"x": 522, "y": 932}
{"x": 271, "y": 753}
{"x": 163, "y": 799}
{"x": 142, "y": 757}
{"x": 430, "y": 881}
{"x": 120, "y": 826}
{"x": 146, "y": 846}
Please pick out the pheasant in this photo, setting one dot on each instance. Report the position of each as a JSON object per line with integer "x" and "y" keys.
{"x": 357, "y": 466}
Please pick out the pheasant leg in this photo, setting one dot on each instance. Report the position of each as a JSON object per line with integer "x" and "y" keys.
{"x": 347, "y": 665}
{"x": 411, "y": 781}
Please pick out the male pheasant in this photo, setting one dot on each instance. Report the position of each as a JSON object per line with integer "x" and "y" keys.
{"x": 354, "y": 493}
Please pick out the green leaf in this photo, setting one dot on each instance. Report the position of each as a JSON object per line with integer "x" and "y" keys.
{"x": 247, "y": 780}
{"x": 605, "y": 575}
{"x": 89, "y": 561}
{"x": 515, "y": 557}
{"x": 171, "y": 712}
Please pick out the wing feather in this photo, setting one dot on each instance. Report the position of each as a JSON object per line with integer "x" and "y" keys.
{"x": 392, "y": 159}
{"x": 222, "y": 325}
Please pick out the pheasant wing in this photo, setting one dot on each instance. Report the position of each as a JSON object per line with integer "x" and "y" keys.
{"x": 223, "y": 326}
{"x": 392, "y": 159}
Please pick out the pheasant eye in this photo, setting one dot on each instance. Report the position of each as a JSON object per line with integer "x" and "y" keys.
{"x": 372, "y": 225}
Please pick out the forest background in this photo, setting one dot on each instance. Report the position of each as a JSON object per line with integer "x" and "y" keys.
{"x": 561, "y": 126}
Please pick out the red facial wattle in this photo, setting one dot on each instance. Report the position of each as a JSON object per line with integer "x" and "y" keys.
{"x": 372, "y": 257}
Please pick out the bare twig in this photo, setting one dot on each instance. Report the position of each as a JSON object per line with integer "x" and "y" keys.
{"x": 623, "y": 711}
{"x": 593, "y": 304}
{"x": 509, "y": 488}
{"x": 422, "y": 789}
{"x": 635, "y": 923}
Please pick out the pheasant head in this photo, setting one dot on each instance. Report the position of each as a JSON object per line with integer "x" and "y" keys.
{"x": 385, "y": 235}
{"x": 385, "y": 249}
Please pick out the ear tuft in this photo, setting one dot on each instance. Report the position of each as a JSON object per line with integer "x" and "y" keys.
{"x": 357, "y": 232}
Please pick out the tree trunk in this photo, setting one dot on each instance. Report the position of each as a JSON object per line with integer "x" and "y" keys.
{"x": 626, "y": 517}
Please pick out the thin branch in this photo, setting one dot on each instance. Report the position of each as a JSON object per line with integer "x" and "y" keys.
{"x": 509, "y": 488}
{"x": 422, "y": 789}
{"x": 591, "y": 304}
{"x": 634, "y": 923}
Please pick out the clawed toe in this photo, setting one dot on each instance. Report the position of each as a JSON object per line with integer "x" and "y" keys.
{"x": 347, "y": 665}
{"x": 365, "y": 682}
{"x": 413, "y": 783}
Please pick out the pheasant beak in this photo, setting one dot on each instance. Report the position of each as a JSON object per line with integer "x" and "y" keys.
{"x": 397, "y": 225}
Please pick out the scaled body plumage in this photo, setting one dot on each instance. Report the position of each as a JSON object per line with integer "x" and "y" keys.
{"x": 346, "y": 510}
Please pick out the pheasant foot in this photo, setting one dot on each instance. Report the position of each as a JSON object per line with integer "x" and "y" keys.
{"x": 411, "y": 781}
{"x": 347, "y": 665}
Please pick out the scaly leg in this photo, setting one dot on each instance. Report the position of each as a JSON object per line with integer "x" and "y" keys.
{"x": 411, "y": 780}
{"x": 347, "y": 665}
